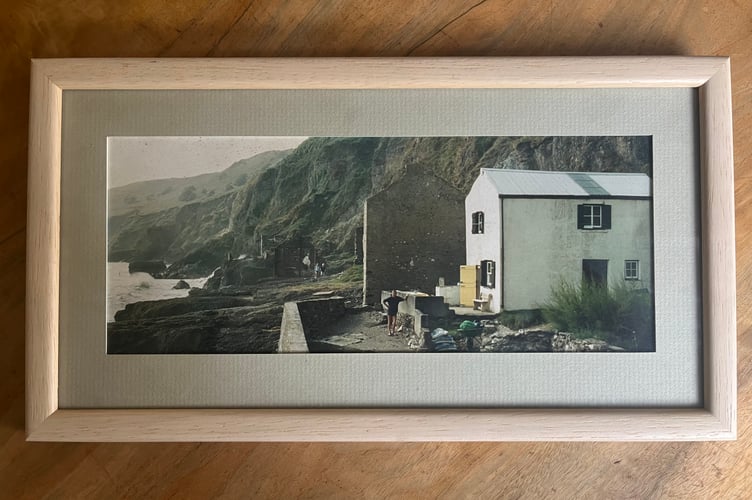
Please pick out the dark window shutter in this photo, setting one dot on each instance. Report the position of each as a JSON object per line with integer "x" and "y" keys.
{"x": 580, "y": 216}
{"x": 488, "y": 279}
{"x": 606, "y": 217}
{"x": 475, "y": 223}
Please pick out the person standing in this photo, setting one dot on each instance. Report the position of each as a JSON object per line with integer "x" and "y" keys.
{"x": 392, "y": 305}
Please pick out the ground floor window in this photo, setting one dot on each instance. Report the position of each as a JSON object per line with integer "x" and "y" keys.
{"x": 488, "y": 273}
{"x": 631, "y": 269}
{"x": 595, "y": 272}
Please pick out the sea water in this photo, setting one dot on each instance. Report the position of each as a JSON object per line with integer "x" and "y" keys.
{"x": 126, "y": 288}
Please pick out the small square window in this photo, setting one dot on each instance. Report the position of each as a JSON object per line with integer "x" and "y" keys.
{"x": 631, "y": 269}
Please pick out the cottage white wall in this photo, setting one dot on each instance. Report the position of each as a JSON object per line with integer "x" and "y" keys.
{"x": 544, "y": 246}
{"x": 484, "y": 197}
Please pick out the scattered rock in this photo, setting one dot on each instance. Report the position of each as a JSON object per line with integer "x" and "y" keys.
{"x": 231, "y": 319}
{"x": 233, "y": 330}
{"x": 505, "y": 340}
{"x": 174, "y": 307}
{"x": 564, "y": 342}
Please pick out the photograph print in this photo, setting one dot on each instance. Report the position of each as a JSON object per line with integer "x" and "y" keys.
{"x": 255, "y": 245}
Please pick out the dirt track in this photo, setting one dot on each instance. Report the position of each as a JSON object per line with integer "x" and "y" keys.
{"x": 364, "y": 332}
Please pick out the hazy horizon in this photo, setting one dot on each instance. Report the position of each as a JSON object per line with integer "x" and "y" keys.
{"x": 138, "y": 159}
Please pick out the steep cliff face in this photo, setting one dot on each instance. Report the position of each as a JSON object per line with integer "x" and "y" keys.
{"x": 185, "y": 220}
{"x": 318, "y": 190}
{"x": 174, "y": 234}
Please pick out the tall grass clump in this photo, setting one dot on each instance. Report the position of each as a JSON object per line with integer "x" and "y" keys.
{"x": 621, "y": 315}
{"x": 352, "y": 274}
{"x": 522, "y": 318}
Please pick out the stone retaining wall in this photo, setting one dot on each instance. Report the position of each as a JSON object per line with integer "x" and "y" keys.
{"x": 304, "y": 320}
{"x": 292, "y": 335}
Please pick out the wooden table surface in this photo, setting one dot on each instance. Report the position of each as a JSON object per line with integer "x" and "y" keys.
{"x": 220, "y": 28}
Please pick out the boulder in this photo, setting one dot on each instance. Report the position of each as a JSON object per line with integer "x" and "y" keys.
{"x": 181, "y": 285}
{"x": 238, "y": 273}
{"x": 215, "y": 280}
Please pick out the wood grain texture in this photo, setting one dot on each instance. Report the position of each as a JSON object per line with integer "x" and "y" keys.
{"x": 43, "y": 248}
{"x": 193, "y": 28}
{"x": 380, "y": 425}
{"x": 378, "y": 73}
{"x": 719, "y": 298}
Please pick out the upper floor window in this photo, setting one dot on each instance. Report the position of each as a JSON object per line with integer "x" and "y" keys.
{"x": 477, "y": 222}
{"x": 591, "y": 216}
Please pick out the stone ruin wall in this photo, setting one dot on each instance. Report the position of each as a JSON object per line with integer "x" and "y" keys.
{"x": 413, "y": 235}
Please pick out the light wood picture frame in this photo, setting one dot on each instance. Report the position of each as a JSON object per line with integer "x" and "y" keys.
{"x": 45, "y": 421}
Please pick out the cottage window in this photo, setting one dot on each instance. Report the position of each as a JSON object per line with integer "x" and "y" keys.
{"x": 631, "y": 269}
{"x": 477, "y": 222}
{"x": 591, "y": 216}
{"x": 488, "y": 273}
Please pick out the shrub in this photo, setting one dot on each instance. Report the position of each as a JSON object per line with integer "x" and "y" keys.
{"x": 521, "y": 319}
{"x": 352, "y": 274}
{"x": 620, "y": 315}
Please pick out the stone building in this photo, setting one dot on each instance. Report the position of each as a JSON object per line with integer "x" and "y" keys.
{"x": 413, "y": 235}
{"x": 527, "y": 231}
{"x": 295, "y": 257}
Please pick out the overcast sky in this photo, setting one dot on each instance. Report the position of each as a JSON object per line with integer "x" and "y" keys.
{"x": 134, "y": 159}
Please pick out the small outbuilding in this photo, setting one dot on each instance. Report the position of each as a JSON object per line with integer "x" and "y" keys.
{"x": 527, "y": 231}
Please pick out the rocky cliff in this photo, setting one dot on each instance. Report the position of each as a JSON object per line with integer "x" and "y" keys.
{"x": 185, "y": 221}
{"x": 317, "y": 191}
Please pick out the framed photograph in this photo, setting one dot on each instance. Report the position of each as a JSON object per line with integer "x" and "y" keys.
{"x": 381, "y": 249}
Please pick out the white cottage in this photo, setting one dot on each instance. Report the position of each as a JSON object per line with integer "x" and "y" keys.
{"x": 526, "y": 231}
